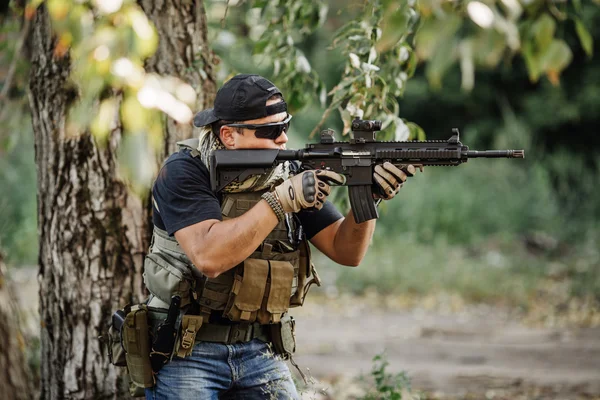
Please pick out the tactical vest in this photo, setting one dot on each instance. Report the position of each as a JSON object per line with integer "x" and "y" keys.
{"x": 275, "y": 277}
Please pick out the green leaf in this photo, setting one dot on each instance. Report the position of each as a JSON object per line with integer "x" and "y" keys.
{"x": 351, "y": 28}
{"x": 260, "y": 4}
{"x": 531, "y": 62}
{"x": 411, "y": 65}
{"x": 467, "y": 65}
{"x": 435, "y": 33}
{"x": 105, "y": 118}
{"x": 489, "y": 47}
{"x": 394, "y": 26}
{"x": 543, "y": 31}
{"x": 261, "y": 45}
{"x": 441, "y": 61}
{"x": 557, "y": 56}
{"x": 584, "y": 37}
{"x": 416, "y": 132}
{"x": 134, "y": 115}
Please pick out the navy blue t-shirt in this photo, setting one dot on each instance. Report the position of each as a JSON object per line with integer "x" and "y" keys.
{"x": 183, "y": 197}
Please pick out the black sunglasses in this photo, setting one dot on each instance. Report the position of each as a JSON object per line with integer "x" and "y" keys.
{"x": 267, "y": 131}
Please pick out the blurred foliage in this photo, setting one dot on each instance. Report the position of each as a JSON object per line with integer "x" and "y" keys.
{"x": 107, "y": 42}
{"x": 381, "y": 42}
{"x": 18, "y": 212}
{"x": 290, "y": 21}
{"x": 18, "y": 217}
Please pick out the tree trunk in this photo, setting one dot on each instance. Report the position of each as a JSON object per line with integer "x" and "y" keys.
{"x": 15, "y": 377}
{"x": 93, "y": 232}
{"x": 183, "y": 51}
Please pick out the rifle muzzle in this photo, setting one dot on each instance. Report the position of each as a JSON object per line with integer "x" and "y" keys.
{"x": 496, "y": 154}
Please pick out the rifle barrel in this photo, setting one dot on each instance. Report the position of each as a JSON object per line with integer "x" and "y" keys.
{"x": 496, "y": 153}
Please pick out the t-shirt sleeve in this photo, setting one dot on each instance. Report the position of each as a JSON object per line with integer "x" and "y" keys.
{"x": 315, "y": 221}
{"x": 182, "y": 194}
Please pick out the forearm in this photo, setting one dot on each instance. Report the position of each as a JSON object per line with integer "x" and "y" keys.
{"x": 227, "y": 243}
{"x": 352, "y": 240}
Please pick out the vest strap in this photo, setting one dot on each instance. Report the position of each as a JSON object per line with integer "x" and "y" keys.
{"x": 190, "y": 326}
{"x": 191, "y": 144}
{"x": 266, "y": 250}
{"x": 164, "y": 241}
{"x": 214, "y": 295}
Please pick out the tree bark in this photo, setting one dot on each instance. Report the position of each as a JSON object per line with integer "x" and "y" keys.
{"x": 93, "y": 231}
{"x": 183, "y": 51}
{"x": 15, "y": 376}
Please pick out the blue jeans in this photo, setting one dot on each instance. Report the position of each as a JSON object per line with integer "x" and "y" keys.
{"x": 225, "y": 371}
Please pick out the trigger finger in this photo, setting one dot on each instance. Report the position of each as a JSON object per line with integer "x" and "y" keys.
{"x": 331, "y": 177}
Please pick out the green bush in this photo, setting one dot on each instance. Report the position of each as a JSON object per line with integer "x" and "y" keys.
{"x": 489, "y": 230}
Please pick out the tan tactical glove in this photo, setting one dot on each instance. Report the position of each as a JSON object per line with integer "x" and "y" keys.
{"x": 307, "y": 189}
{"x": 389, "y": 179}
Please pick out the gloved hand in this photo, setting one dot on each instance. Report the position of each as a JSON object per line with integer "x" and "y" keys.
{"x": 389, "y": 179}
{"x": 307, "y": 189}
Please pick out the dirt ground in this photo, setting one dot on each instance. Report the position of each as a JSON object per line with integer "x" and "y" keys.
{"x": 478, "y": 352}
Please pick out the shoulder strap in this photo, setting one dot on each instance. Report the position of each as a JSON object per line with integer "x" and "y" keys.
{"x": 191, "y": 144}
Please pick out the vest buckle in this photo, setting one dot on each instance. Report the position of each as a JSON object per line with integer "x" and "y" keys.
{"x": 190, "y": 326}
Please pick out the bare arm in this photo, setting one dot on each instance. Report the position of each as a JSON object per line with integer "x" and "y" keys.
{"x": 345, "y": 241}
{"x": 216, "y": 246}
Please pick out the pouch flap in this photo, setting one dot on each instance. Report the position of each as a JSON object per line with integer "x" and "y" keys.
{"x": 292, "y": 257}
{"x": 282, "y": 274}
{"x": 253, "y": 286}
{"x": 165, "y": 277}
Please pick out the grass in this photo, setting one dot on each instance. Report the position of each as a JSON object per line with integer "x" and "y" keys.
{"x": 419, "y": 269}
{"x": 492, "y": 231}
{"x": 545, "y": 289}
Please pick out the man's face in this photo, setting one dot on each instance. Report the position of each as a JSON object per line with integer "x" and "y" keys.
{"x": 233, "y": 139}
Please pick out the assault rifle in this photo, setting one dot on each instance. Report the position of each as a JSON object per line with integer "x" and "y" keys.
{"x": 354, "y": 159}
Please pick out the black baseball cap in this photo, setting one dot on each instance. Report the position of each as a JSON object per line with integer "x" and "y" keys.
{"x": 243, "y": 97}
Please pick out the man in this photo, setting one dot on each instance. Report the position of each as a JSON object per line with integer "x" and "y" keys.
{"x": 242, "y": 253}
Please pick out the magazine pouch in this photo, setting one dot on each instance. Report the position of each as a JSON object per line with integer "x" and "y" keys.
{"x": 283, "y": 336}
{"x": 136, "y": 343}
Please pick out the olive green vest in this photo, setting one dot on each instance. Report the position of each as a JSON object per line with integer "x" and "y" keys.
{"x": 275, "y": 277}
